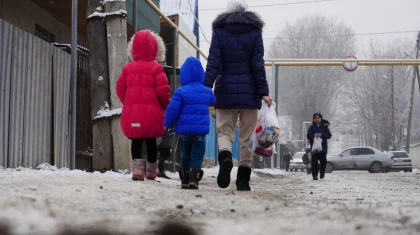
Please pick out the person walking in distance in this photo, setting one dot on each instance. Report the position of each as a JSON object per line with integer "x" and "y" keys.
{"x": 287, "y": 159}
{"x": 319, "y": 130}
{"x": 144, "y": 91}
{"x": 236, "y": 69}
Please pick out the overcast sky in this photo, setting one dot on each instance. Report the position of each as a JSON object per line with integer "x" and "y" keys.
{"x": 364, "y": 16}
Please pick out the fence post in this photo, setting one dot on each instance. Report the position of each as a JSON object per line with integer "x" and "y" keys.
{"x": 276, "y": 97}
{"x": 73, "y": 84}
{"x": 274, "y": 81}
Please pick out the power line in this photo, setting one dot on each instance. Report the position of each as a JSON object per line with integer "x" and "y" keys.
{"x": 198, "y": 23}
{"x": 269, "y": 5}
{"x": 341, "y": 35}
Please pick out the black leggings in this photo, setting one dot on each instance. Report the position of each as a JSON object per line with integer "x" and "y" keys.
{"x": 322, "y": 158}
{"x": 137, "y": 147}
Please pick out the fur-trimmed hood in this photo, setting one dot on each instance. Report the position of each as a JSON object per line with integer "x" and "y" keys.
{"x": 146, "y": 45}
{"x": 246, "y": 17}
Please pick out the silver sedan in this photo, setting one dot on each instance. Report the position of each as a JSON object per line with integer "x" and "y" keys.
{"x": 360, "y": 158}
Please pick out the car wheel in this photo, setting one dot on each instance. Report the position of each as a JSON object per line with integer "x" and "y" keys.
{"x": 405, "y": 170}
{"x": 329, "y": 168}
{"x": 410, "y": 170}
{"x": 376, "y": 167}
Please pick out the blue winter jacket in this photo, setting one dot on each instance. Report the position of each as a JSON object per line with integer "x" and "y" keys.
{"x": 189, "y": 111}
{"x": 325, "y": 134}
{"x": 236, "y": 61}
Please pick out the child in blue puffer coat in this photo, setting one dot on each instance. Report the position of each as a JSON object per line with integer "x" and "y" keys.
{"x": 189, "y": 113}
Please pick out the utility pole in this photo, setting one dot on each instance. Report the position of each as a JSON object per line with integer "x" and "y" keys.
{"x": 99, "y": 87}
{"x": 116, "y": 26}
{"x": 134, "y": 17}
{"x": 393, "y": 108}
{"x": 417, "y": 67}
{"x": 73, "y": 84}
{"x": 413, "y": 86}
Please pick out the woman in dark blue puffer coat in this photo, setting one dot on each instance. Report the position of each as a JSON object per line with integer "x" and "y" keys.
{"x": 236, "y": 68}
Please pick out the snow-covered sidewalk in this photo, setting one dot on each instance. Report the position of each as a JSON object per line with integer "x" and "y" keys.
{"x": 49, "y": 201}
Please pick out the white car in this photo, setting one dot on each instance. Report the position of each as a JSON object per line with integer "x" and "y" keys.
{"x": 297, "y": 163}
{"x": 361, "y": 158}
{"x": 402, "y": 161}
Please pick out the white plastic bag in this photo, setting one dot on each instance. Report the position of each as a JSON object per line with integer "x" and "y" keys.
{"x": 317, "y": 146}
{"x": 266, "y": 134}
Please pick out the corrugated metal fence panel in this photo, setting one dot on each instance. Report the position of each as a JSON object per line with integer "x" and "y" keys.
{"x": 17, "y": 97}
{"x": 61, "y": 110}
{"x": 37, "y": 131}
{"x": 6, "y": 33}
{"x": 211, "y": 143}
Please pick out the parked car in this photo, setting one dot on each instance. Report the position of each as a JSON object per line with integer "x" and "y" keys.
{"x": 297, "y": 164}
{"x": 402, "y": 161}
{"x": 361, "y": 158}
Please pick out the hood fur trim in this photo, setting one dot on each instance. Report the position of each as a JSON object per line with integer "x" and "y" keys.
{"x": 247, "y": 17}
{"x": 161, "y": 50}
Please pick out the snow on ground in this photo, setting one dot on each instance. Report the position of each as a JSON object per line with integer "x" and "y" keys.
{"x": 50, "y": 200}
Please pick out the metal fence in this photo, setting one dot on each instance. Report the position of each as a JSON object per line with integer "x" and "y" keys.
{"x": 34, "y": 100}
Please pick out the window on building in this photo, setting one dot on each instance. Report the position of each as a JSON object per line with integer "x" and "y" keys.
{"x": 44, "y": 34}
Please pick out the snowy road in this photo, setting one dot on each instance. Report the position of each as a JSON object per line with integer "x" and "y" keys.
{"x": 45, "y": 202}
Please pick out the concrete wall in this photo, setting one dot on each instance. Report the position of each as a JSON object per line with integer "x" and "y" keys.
{"x": 24, "y": 14}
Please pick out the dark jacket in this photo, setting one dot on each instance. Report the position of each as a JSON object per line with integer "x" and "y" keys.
{"x": 236, "y": 61}
{"x": 325, "y": 134}
{"x": 189, "y": 110}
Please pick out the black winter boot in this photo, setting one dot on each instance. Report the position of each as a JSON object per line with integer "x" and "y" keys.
{"x": 194, "y": 178}
{"x": 243, "y": 178}
{"x": 184, "y": 175}
{"x": 226, "y": 165}
{"x": 161, "y": 167}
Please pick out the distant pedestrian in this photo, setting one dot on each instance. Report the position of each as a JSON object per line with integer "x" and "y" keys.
{"x": 287, "y": 158}
{"x": 144, "y": 91}
{"x": 236, "y": 69}
{"x": 319, "y": 130}
{"x": 189, "y": 113}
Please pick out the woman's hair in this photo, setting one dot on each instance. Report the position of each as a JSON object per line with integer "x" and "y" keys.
{"x": 237, "y": 6}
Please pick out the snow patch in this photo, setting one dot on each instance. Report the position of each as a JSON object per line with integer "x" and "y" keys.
{"x": 107, "y": 14}
{"x": 99, "y": 9}
{"x": 270, "y": 171}
{"x": 46, "y": 167}
{"x": 106, "y": 112}
{"x": 124, "y": 172}
{"x": 105, "y": 1}
{"x": 68, "y": 46}
{"x": 100, "y": 78}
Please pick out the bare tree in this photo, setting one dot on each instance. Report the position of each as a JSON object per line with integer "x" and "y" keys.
{"x": 305, "y": 90}
{"x": 371, "y": 90}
